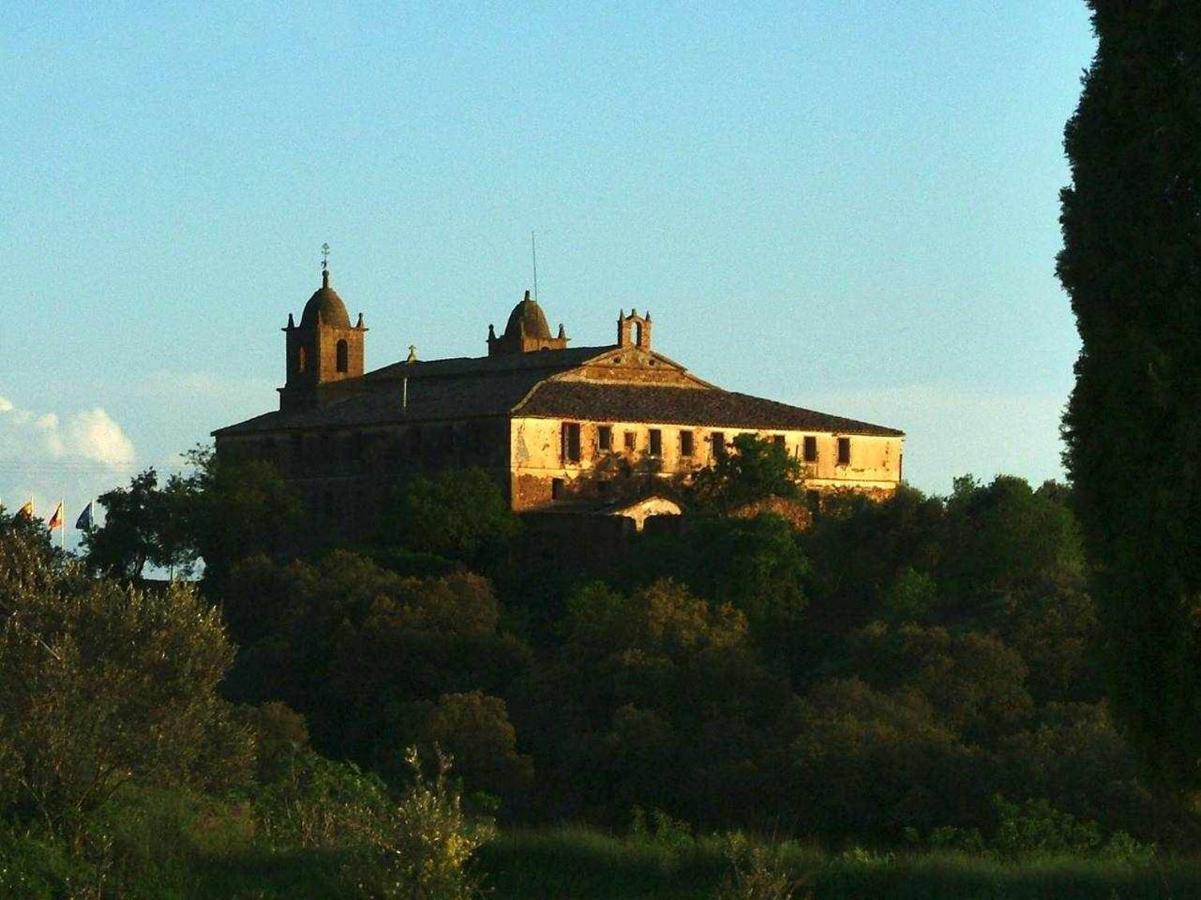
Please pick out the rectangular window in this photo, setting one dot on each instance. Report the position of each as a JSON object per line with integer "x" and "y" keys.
{"x": 685, "y": 443}
{"x": 719, "y": 444}
{"x": 810, "y": 448}
{"x": 629, "y": 440}
{"x": 556, "y": 488}
{"x": 604, "y": 438}
{"x": 656, "y": 442}
{"x": 571, "y": 442}
{"x": 778, "y": 440}
{"x": 844, "y": 451}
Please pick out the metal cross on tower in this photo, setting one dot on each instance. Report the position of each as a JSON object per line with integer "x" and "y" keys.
{"x": 324, "y": 257}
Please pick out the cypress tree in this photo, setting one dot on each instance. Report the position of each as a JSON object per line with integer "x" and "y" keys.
{"x": 1131, "y": 264}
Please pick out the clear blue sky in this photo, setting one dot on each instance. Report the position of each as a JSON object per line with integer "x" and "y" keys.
{"x": 849, "y": 206}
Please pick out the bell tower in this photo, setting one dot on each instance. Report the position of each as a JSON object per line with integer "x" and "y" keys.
{"x": 634, "y": 330}
{"x": 322, "y": 349}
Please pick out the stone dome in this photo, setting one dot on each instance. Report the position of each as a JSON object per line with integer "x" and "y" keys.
{"x": 527, "y": 318}
{"x": 325, "y": 307}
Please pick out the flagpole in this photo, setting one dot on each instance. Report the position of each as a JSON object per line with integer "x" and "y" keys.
{"x": 62, "y": 525}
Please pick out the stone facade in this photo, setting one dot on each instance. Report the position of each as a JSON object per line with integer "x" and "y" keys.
{"x": 560, "y": 428}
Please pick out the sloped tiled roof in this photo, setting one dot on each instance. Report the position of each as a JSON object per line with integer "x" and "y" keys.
{"x": 448, "y": 389}
{"x": 437, "y": 390}
{"x": 682, "y": 406}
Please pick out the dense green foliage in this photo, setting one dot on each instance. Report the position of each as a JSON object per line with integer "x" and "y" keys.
{"x": 1132, "y": 235}
{"x": 918, "y": 673}
{"x": 756, "y": 468}
{"x": 122, "y": 768}
{"x": 890, "y": 668}
{"x": 104, "y": 684}
{"x": 457, "y": 514}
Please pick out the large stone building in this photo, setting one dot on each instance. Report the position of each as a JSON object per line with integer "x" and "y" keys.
{"x": 560, "y": 427}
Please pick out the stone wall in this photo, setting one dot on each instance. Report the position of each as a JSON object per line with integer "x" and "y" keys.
{"x": 539, "y": 470}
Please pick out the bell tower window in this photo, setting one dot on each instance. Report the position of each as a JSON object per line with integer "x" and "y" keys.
{"x": 302, "y": 360}
{"x": 343, "y": 362}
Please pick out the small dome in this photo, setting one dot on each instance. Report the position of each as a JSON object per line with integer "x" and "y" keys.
{"x": 529, "y": 314}
{"x": 325, "y": 307}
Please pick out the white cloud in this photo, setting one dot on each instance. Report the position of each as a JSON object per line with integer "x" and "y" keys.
{"x": 91, "y": 436}
{"x": 94, "y": 435}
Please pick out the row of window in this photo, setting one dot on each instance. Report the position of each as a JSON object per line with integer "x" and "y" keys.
{"x": 329, "y": 450}
{"x": 570, "y": 445}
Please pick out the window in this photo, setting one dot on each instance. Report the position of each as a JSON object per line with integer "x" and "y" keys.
{"x": 343, "y": 357}
{"x": 810, "y": 448}
{"x": 302, "y": 360}
{"x": 604, "y": 438}
{"x": 719, "y": 444}
{"x": 656, "y": 442}
{"x": 571, "y": 442}
{"x": 556, "y": 488}
{"x": 685, "y": 443}
{"x": 813, "y": 498}
{"x": 844, "y": 451}
{"x": 629, "y": 440}
{"x": 778, "y": 440}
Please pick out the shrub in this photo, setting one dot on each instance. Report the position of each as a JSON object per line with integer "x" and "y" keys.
{"x": 318, "y": 803}
{"x": 757, "y": 872}
{"x": 106, "y": 685}
{"x": 422, "y": 847}
{"x": 662, "y": 830}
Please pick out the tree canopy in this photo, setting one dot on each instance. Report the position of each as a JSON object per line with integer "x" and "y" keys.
{"x": 1131, "y": 223}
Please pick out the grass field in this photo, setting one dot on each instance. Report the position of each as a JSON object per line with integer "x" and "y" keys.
{"x": 578, "y": 863}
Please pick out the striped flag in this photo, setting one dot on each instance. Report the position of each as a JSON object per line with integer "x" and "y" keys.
{"x": 56, "y": 520}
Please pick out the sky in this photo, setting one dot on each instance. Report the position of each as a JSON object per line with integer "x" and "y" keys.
{"x": 847, "y": 206}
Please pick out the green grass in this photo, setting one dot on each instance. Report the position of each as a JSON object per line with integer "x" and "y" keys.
{"x": 587, "y": 865}
{"x": 172, "y": 847}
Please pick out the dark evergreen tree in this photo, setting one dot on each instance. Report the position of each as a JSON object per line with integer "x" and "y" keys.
{"x": 1132, "y": 265}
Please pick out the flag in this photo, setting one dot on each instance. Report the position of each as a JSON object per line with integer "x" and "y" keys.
{"x": 26, "y": 509}
{"x": 56, "y": 520}
{"x": 84, "y": 522}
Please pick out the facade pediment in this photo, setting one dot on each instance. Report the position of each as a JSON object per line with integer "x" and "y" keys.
{"x": 632, "y": 365}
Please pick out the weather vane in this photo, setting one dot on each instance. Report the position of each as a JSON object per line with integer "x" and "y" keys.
{"x": 324, "y": 257}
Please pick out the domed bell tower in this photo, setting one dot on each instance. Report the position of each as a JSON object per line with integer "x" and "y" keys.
{"x": 322, "y": 349}
{"x": 526, "y": 331}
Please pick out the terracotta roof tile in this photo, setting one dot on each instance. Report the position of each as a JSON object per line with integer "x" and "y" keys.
{"x": 683, "y": 406}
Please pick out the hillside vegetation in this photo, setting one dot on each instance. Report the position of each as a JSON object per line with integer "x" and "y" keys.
{"x": 904, "y": 693}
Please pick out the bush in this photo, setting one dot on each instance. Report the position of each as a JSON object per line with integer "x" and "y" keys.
{"x": 35, "y": 867}
{"x": 422, "y": 847}
{"x": 104, "y": 685}
{"x": 1035, "y": 827}
{"x": 758, "y": 872}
